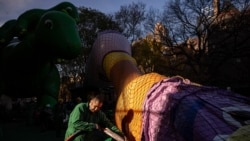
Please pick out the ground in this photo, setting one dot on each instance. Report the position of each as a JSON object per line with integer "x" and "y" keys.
{"x": 18, "y": 130}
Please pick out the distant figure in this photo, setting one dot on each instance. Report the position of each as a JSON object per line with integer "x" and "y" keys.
{"x": 30, "y": 111}
{"x": 46, "y": 117}
{"x": 59, "y": 116}
{"x": 78, "y": 100}
{"x": 6, "y": 107}
{"x": 90, "y": 119}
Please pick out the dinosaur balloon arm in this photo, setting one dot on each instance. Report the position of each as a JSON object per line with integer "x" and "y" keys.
{"x": 130, "y": 84}
{"x": 129, "y": 108}
{"x": 127, "y": 72}
{"x": 107, "y": 42}
{"x": 112, "y": 58}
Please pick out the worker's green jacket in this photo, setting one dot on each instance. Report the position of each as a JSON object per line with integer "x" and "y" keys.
{"x": 81, "y": 118}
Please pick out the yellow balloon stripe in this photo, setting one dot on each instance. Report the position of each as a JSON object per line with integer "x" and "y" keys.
{"x": 129, "y": 108}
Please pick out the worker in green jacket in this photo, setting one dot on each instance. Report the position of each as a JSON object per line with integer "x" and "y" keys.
{"x": 88, "y": 118}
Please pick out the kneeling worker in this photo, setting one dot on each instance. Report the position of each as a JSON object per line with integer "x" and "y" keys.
{"x": 89, "y": 121}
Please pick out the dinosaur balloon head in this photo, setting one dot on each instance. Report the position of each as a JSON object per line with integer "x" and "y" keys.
{"x": 56, "y": 35}
{"x": 68, "y": 8}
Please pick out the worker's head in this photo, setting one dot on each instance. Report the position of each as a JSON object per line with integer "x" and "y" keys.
{"x": 95, "y": 100}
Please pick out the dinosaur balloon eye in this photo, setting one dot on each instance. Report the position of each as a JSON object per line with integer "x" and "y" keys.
{"x": 49, "y": 23}
{"x": 69, "y": 9}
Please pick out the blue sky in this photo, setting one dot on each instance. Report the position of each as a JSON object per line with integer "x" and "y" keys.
{"x": 11, "y": 9}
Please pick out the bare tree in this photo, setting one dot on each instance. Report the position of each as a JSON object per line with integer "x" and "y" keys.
{"x": 153, "y": 16}
{"x": 130, "y": 18}
{"x": 207, "y": 36}
{"x": 228, "y": 46}
{"x": 184, "y": 36}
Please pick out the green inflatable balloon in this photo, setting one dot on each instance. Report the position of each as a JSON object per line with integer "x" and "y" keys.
{"x": 27, "y": 21}
{"x": 27, "y": 67}
{"x": 7, "y": 32}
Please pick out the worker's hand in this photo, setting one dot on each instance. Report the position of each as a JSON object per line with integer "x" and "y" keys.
{"x": 125, "y": 138}
{"x": 98, "y": 127}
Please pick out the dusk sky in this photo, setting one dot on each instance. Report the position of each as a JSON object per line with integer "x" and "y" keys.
{"x": 11, "y": 9}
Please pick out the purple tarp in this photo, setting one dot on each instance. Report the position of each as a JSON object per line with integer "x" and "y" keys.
{"x": 176, "y": 110}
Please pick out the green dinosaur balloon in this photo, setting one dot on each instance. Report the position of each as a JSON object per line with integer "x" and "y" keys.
{"x": 7, "y": 32}
{"x": 27, "y": 67}
{"x": 27, "y": 21}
